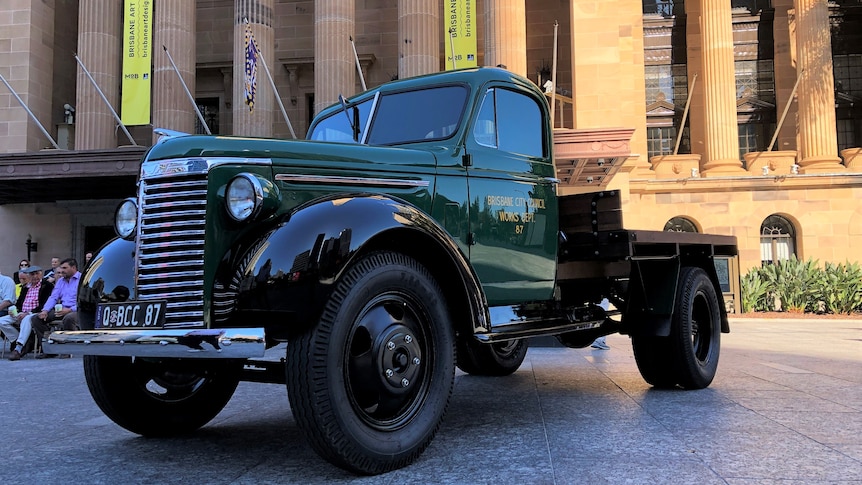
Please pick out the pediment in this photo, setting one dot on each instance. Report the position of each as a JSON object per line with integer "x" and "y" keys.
{"x": 748, "y": 105}
{"x": 661, "y": 108}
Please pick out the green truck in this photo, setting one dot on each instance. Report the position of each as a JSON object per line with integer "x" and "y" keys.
{"x": 417, "y": 229}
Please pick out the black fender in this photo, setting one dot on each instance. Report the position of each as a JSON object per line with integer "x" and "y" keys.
{"x": 110, "y": 277}
{"x": 287, "y": 275}
{"x": 652, "y": 294}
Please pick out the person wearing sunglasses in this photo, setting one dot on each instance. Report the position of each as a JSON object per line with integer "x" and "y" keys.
{"x": 24, "y": 264}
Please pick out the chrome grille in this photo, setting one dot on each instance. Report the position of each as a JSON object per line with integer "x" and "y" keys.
{"x": 170, "y": 253}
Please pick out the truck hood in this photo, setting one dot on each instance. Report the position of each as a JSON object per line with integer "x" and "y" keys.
{"x": 296, "y": 152}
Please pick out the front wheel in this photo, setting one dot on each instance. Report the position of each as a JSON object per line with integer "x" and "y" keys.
{"x": 499, "y": 359}
{"x": 160, "y": 398}
{"x": 370, "y": 383}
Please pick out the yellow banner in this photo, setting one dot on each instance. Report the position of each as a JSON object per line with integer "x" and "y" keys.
{"x": 460, "y": 34}
{"x": 137, "y": 61}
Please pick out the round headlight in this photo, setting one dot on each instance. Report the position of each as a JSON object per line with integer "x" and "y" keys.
{"x": 126, "y": 218}
{"x": 244, "y": 197}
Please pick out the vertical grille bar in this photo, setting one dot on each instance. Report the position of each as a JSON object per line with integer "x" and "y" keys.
{"x": 170, "y": 255}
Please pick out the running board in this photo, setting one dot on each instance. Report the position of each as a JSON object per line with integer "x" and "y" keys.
{"x": 534, "y": 328}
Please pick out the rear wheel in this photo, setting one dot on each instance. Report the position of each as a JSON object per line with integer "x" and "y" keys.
{"x": 499, "y": 359}
{"x": 160, "y": 398}
{"x": 696, "y": 330}
{"x": 369, "y": 384}
{"x": 653, "y": 358}
{"x": 688, "y": 357}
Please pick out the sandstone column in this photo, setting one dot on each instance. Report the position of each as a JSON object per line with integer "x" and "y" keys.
{"x": 27, "y": 44}
{"x": 418, "y": 37}
{"x": 99, "y": 26}
{"x": 334, "y": 66}
{"x": 506, "y": 35}
{"x": 174, "y": 28}
{"x": 719, "y": 88}
{"x": 818, "y": 141}
{"x": 257, "y": 122}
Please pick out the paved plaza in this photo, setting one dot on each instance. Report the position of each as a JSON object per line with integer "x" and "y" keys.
{"x": 785, "y": 407}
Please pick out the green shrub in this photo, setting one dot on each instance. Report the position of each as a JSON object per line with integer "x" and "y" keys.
{"x": 840, "y": 287}
{"x": 796, "y": 286}
{"x": 754, "y": 291}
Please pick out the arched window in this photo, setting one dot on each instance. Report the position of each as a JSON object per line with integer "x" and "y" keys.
{"x": 777, "y": 239}
{"x": 680, "y": 224}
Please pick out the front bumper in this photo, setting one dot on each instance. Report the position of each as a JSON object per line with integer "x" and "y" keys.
{"x": 220, "y": 343}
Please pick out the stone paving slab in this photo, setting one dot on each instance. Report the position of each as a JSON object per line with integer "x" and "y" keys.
{"x": 785, "y": 407}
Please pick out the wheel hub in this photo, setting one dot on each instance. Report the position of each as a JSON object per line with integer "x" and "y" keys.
{"x": 399, "y": 358}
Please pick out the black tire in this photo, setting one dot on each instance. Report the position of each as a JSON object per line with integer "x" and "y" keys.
{"x": 499, "y": 359}
{"x": 689, "y": 356}
{"x": 696, "y": 329}
{"x": 654, "y": 360}
{"x": 370, "y": 384}
{"x": 160, "y": 398}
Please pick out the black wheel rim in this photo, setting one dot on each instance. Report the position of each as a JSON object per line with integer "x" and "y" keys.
{"x": 388, "y": 355}
{"x": 701, "y": 328}
{"x": 168, "y": 385}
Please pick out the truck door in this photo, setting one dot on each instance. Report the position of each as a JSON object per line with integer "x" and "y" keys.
{"x": 513, "y": 207}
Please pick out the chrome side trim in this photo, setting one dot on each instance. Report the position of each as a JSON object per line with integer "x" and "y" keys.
{"x": 225, "y": 343}
{"x": 337, "y": 180}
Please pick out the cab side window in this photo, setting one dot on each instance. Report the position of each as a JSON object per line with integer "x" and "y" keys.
{"x": 511, "y": 122}
{"x": 485, "y": 130}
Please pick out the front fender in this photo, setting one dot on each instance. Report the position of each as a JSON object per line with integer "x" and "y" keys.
{"x": 109, "y": 277}
{"x": 291, "y": 271}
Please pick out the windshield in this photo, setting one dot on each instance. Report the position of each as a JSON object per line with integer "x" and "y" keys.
{"x": 404, "y": 117}
{"x": 337, "y": 127}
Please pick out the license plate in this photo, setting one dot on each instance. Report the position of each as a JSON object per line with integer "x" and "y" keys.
{"x": 131, "y": 314}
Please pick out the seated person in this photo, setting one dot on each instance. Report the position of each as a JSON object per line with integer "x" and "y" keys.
{"x": 7, "y": 297}
{"x": 36, "y": 292}
{"x": 61, "y": 305}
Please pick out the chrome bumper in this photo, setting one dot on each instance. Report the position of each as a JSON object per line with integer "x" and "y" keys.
{"x": 220, "y": 343}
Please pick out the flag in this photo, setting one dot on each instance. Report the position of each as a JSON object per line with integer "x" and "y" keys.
{"x": 251, "y": 54}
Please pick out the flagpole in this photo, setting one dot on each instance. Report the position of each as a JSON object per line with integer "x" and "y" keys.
{"x": 23, "y": 105}
{"x": 358, "y": 67}
{"x": 554, "y": 82}
{"x": 272, "y": 84}
{"x": 105, "y": 99}
{"x": 186, "y": 89}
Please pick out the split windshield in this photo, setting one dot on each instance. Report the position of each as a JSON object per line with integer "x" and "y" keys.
{"x": 400, "y": 117}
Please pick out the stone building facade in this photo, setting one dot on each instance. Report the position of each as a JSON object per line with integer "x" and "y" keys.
{"x": 745, "y": 113}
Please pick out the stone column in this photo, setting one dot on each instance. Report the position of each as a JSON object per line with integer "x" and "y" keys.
{"x": 334, "y": 65}
{"x": 818, "y": 140}
{"x": 99, "y": 26}
{"x": 174, "y": 28}
{"x": 506, "y": 35}
{"x": 719, "y": 88}
{"x": 257, "y": 122}
{"x": 27, "y": 62}
{"x": 418, "y": 37}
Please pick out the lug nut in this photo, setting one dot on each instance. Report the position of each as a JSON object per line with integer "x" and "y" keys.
{"x": 416, "y": 360}
{"x": 405, "y": 382}
{"x": 408, "y": 338}
{"x": 390, "y": 345}
{"x": 389, "y": 373}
